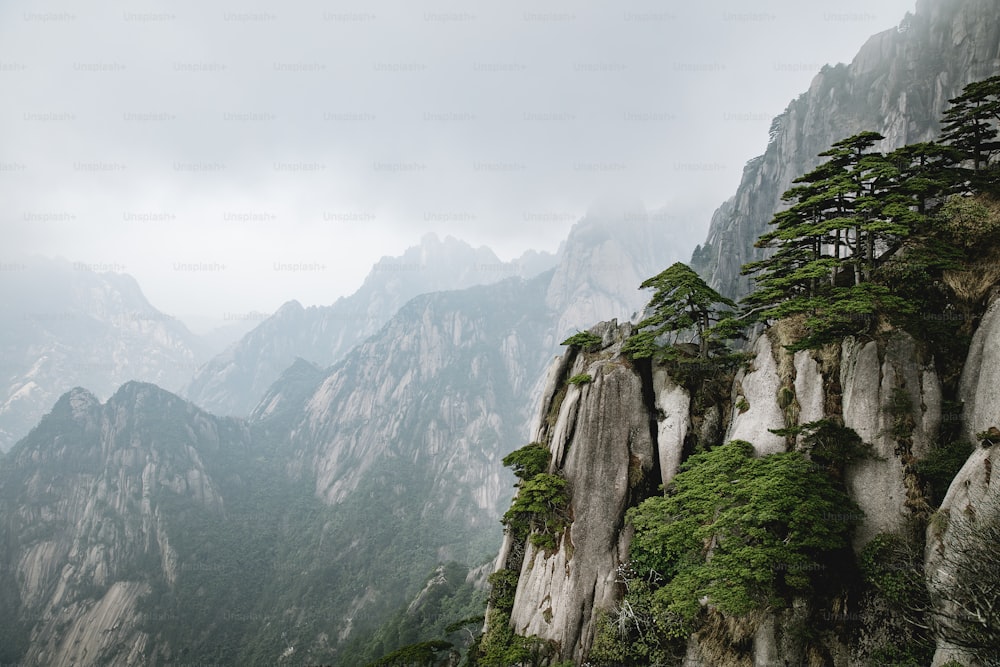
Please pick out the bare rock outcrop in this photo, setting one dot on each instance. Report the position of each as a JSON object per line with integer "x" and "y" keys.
{"x": 601, "y": 441}
{"x": 892, "y": 399}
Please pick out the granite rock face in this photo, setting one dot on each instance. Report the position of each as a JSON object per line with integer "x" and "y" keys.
{"x": 969, "y": 517}
{"x": 621, "y": 435}
{"x": 892, "y": 400}
{"x": 68, "y": 326}
{"x": 602, "y": 443}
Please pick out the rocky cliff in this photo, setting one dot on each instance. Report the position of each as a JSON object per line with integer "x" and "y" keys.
{"x": 596, "y": 273}
{"x": 627, "y": 430}
{"x": 898, "y": 84}
{"x": 89, "y": 509}
{"x": 966, "y": 528}
{"x": 395, "y": 450}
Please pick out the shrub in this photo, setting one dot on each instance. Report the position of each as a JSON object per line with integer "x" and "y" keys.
{"x": 941, "y": 465}
{"x": 746, "y": 533}
{"x": 503, "y": 585}
{"x": 582, "y": 378}
{"x": 584, "y": 340}
{"x": 830, "y": 444}
{"x": 529, "y": 460}
{"x": 540, "y": 505}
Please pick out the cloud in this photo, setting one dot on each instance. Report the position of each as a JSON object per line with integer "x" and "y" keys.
{"x": 158, "y": 135}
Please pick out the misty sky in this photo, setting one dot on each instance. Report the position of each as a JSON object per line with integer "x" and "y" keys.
{"x": 201, "y": 147}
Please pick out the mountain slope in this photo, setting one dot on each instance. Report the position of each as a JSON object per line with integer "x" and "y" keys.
{"x": 394, "y": 451}
{"x": 234, "y": 381}
{"x": 67, "y": 326}
{"x": 89, "y": 505}
{"x": 617, "y": 438}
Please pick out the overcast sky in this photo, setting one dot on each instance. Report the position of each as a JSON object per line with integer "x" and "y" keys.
{"x": 203, "y": 147}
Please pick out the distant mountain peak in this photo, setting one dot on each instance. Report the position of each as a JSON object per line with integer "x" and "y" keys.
{"x": 292, "y": 307}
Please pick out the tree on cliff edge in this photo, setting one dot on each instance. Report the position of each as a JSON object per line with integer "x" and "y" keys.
{"x": 681, "y": 300}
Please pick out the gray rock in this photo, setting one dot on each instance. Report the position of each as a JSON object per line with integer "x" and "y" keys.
{"x": 602, "y": 444}
{"x": 758, "y": 388}
{"x": 870, "y": 386}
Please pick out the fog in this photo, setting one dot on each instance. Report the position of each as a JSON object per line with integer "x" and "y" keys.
{"x": 232, "y": 157}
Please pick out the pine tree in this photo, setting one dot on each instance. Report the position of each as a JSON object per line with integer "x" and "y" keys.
{"x": 681, "y": 300}
{"x": 970, "y": 126}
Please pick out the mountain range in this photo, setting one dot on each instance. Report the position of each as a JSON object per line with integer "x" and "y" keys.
{"x": 327, "y": 489}
{"x": 394, "y": 449}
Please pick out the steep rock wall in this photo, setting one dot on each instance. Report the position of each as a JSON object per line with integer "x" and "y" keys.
{"x": 620, "y": 436}
{"x": 602, "y": 442}
{"x": 979, "y": 389}
{"x": 84, "y": 522}
{"x": 755, "y": 404}
{"x": 892, "y": 399}
{"x": 973, "y": 498}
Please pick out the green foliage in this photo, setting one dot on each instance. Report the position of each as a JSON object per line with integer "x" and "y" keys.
{"x": 608, "y": 647}
{"x": 639, "y": 631}
{"x": 900, "y": 407}
{"x": 582, "y": 378}
{"x": 971, "y": 222}
{"x": 460, "y": 625}
{"x": 423, "y": 654}
{"x": 529, "y": 460}
{"x": 744, "y": 532}
{"x": 584, "y": 340}
{"x": 540, "y": 505}
{"x": 546, "y": 540}
{"x": 830, "y": 443}
{"x": 503, "y": 586}
{"x": 969, "y": 126}
{"x": 865, "y": 239}
{"x": 989, "y": 437}
{"x": 941, "y": 465}
{"x": 681, "y": 300}
{"x": 446, "y": 596}
{"x": 903, "y": 654}
{"x": 893, "y": 568}
{"x": 502, "y": 647}
{"x": 828, "y": 244}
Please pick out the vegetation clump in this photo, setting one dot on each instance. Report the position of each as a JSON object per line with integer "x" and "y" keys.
{"x": 830, "y": 444}
{"x": 681, "y": 301}
{"x": 871, "y": 237}
{"x": 734, "y": 533}
{"x": 529, "y": 460}
{"x": 584, "y": 340}
{"x": 539, "y": 509}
